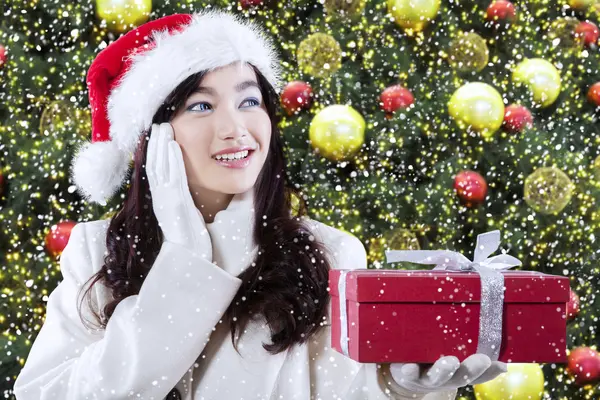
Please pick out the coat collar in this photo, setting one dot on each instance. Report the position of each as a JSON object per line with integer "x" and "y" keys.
{"x": 232, "y": 234}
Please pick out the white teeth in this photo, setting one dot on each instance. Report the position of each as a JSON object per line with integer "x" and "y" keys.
{"x": 232, "y": 156}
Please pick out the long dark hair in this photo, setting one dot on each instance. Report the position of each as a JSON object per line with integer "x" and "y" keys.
{"x": 287, "y": 285}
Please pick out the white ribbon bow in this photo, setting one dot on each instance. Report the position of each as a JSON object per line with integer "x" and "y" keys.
{"x": 487, "y": 243}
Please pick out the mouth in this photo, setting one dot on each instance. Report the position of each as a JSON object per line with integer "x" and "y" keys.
{"x": 240, "y": 160}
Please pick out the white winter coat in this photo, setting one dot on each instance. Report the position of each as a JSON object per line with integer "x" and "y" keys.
{"x": 158, "y": 340}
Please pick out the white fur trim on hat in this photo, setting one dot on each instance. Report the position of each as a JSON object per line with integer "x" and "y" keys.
{"x": 212, "y": 39}
{"x": 99, "y": 170}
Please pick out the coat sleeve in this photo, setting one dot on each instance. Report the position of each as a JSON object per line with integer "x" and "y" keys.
{"x": 334, "y": 375}
{"x": 150, "y": 341}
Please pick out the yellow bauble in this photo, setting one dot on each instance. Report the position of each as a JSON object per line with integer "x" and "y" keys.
{"x": 337, "y": 132}
{"x": 561, "y": 34}
{"x": 56, "y": 118}
{"x": 398, "y": 239}
{"x": 468, "y": 53}
{"x": 319, "y": 55}
{"x": 596, "y": 168}
{"x": 548, "y": 190}
{"x": 582, "y": 4}
{"x": 344, "y": 8}
{"x": 123, "y": 15}
{"x": 521, "y": 382}
{"x": 295, "y": 204}
{"x": 479, "y": 106}
{"x": 413, "y": 14}
{"x": 542, "y": 79}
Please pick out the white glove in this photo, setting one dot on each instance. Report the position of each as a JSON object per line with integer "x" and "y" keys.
{"x": 179, "y": 219}
{"x": 447, "y": 373}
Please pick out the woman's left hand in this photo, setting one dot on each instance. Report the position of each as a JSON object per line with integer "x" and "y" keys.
{"x": 447, "y": 373}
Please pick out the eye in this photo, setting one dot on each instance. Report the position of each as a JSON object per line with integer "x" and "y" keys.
{"x": 257, "y": 103}
{"x": 194, "y": 106}
{"x": 197, "y": 106}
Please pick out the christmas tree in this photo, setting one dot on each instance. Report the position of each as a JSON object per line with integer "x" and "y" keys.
{"x": 410, "y": 124}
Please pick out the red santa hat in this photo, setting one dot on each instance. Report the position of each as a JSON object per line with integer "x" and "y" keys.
{"x": 129, "y": 80}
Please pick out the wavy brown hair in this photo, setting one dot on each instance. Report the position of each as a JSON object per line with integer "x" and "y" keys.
{"x": 288, "y": 283}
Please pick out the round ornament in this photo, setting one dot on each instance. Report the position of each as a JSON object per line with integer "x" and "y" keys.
{"x": 520, "y": 382}
{"x": 589, "y": 32}
{"x": 593, "y": 94}
{"x": 337, "y": 132}
{"x": 58, "y": 236}
{"x": 319, "y": 55}
{"x": 548, "y": 190}
{"x": 562, "y": 33}
{"x": 471, "y": 187}
{"x": 501, "y": 11}
{"x": 468, "y": 53}
{"x": 395, "y": 97}
{"x": 123, "y": 15}
{"x": 517, "y": 118}
{"x": 584, "y": 364}
{"x": 413, "y": 14}
{"x": 344, "y": 8}
{"x": 541, "y": 78}
{"x": 477, "y": 106}
{"x": 296, "y": 96}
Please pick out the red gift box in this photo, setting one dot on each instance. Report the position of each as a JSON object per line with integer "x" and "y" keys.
{"x": 418, "y": 316}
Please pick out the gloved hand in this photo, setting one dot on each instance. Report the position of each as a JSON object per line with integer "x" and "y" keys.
{"x": 177, "y": 215}
{"x": 447, "y": 373}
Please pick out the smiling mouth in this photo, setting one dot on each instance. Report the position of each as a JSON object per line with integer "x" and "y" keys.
{"x": 235, "y": 162}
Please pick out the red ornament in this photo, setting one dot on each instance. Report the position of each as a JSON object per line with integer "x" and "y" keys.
{"x": 593, "y": 94}
{"x": 296, "y": 95}
{"x": 470, "y": 187}
{"x": 500, "y": 10}
{"x": 395, "y": 97}
{"x": 246, "y": 4}
{"x": 2, "y": 55}
{"x": 58, "y": 237}
{"x": 584, "y": 365}
{"x": 572, "y": 305}
{"x": 589, "y": 31}
{"x": 516, "y": 118}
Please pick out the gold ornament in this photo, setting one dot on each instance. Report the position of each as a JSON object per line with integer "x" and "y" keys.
{"x": 562, "y": 34}
{"x": 479, "y": 106}
{"x": 57, "y": 118}
{"x": 337, "y": 132}
{"x": 548, "y": 190}
{"x": 413, "y": 14}
{"x": 596, "y": 168}
{"x": 109, "y": 214}
{"x": 84, "y": 121}
{"x": 468, "y": 53}
{"x": 582, "y": 4}
{"x": 520, "y": 382}
{"x": 319, "y": 55}
{"x": 398, "y": 239}
{"x": 294, "y": 204}
{"x": 123, "y": 15}
{"x": 344, "y": 8}
{"x": 542, "y": 79}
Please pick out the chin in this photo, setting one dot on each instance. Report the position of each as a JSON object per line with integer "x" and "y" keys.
{"x": 235, "y": 189}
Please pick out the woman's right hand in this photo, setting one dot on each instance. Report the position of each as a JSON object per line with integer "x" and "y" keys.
{"x": 179, "y": 219}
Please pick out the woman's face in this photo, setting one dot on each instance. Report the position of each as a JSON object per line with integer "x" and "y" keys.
{"x": 226, "y": 113}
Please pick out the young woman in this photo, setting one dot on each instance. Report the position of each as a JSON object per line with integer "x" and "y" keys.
{"x": 203, "y": 286}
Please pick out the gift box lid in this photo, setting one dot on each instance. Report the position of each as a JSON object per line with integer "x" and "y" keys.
{"x": 393, "y": 286}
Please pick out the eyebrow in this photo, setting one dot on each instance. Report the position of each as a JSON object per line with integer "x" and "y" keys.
{"x": 238, "y": 88}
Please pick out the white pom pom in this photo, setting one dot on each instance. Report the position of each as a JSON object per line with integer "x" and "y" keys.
{"x": 99, "y": 170}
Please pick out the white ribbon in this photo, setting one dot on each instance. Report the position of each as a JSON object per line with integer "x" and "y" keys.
{"x": 492, "y": 285}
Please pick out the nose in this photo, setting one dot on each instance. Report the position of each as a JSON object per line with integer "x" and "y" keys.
{"x": 229, "y": 123}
